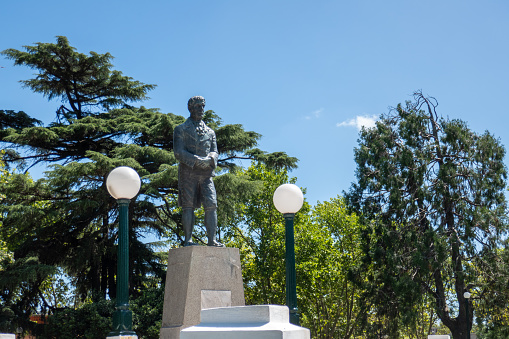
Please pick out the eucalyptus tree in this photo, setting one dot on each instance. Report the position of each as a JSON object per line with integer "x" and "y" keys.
{"x": 432, "y": 193}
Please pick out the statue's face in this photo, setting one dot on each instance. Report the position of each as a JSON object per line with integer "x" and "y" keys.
{"x": 197, "y": 110}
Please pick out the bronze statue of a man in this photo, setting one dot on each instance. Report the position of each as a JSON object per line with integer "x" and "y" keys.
{"x": 194, "y": 145}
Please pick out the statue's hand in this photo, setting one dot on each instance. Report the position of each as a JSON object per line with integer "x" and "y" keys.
{"x": 213, "y": 159}
{"x": 204, "y": 163}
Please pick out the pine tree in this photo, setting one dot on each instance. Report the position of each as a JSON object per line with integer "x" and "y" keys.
{"x": 67, "y": 218}
{"x": 432, "y": 191}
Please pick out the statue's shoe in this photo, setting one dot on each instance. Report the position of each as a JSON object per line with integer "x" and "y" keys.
{"x": 215, "y": 244}
{"x": 189, "y": 243}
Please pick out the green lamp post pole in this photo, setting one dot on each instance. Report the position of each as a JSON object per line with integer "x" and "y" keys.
{"x": 291, "y": 275}
{"x": 288, "y": 199}
{"x": 123, "y": 184}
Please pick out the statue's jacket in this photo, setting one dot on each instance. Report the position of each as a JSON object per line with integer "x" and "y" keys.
{"x": 189, "y": 145}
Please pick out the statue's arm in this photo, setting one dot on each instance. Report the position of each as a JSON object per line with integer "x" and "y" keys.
{"x": 213, "y": 154}
{"x": 180, "y": 152}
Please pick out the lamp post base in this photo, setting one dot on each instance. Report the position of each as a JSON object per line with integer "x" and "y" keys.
{"x": 122, "y": 320}
{"x": 295, "y": 316}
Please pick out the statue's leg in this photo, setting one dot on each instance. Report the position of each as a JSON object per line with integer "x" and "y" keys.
{"x": 211, "y": 226}
{"x": 188, "y": 224}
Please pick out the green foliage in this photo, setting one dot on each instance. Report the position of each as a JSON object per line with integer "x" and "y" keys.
{"x": 329, "y": 251}
{"x": 67, "y": 220}
{"x": 326, "y": 246}
{"x": 11, "y": 121}
{"x": 20, "y": 278}
{"x": 80, "y": 80}
{"x": 494, "y": 331}
{"x": 259, "y": 234}
{"x": 492, "y": 310}
{"x": 432, "y": 193}
{"x": 148, "y": 313}
{"x": 94, "y": 319}
{"x": 91, "y": 321}
{"x": 20, "y": 282}
{"x": 57, "y": 292}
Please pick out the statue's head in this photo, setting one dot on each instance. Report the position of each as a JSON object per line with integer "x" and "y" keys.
{"x": 196, "y": 106}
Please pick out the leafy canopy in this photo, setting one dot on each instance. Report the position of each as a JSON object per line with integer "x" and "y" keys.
{"x": 66, "y": 219}
{"x": 432, "y": 193}
{"x": 83, "y": 81}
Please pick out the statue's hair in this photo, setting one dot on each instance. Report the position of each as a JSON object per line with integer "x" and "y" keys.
{"x": 194, "y": 100}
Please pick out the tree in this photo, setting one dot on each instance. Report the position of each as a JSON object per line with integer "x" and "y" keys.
{"x": 432, "y": 193}
{"x": 91, "y": 320}
{"x": 330, "y": 301}
{"x": 19, "y": 278}
{"x": 67, "y": 219}
{"x": 84, "y": 82}
{"x": 259, "y": 233}
{"x": 326, "y": 241}
{"x": 492, "y": 310}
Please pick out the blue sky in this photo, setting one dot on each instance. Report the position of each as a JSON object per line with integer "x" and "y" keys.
{"x": 304, "y": 74}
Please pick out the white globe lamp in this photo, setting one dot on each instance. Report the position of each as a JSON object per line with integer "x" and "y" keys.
{"x": 123, "y": 183}
{"x": 288, "y": 199}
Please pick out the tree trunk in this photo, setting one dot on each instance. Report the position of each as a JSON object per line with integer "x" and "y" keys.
{"x": 460, "y": 332}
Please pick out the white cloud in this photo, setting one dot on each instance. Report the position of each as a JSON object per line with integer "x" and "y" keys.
{"x": 359, "y": 122}
{"x": 315, "y": 114}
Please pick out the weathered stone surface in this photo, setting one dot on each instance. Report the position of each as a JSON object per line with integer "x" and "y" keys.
{"x": 212, "y": 299}
{"x": 199, "y": 277}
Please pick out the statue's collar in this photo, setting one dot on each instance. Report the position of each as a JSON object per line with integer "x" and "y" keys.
{"x": 199, "y": 126}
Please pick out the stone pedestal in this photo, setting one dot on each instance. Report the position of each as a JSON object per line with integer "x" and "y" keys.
{"x": 246, "y": 322}
{"x": 439, "y": 336}
{"x": 199, "y": 277}
{"x": 7, "y": 336}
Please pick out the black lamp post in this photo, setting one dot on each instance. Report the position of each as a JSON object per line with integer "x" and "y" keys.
{"x": 123, "y": 184}
{"x": 288, "y": 199}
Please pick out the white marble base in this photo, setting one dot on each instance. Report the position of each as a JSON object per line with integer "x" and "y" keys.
{"x": 439, "y": 336}
{"x": 7, "y": 336}
{"x": 246, "y": 322}
{"x": 123, "y": 337}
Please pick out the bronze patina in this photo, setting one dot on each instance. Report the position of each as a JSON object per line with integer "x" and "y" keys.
{"x": 196, "y": 150}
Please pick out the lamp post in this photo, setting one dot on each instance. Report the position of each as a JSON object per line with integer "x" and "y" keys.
{"x": 123, "y": 184}
{"x": 467, "y": 296}
{"x": 288, "y": 199}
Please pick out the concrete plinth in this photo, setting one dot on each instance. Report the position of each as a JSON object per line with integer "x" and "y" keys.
{"x": 7, "y": 336}
{"x": 199, "y": 277}
{"x": 246, "y": 322}
{"x": 439, "y": 336}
